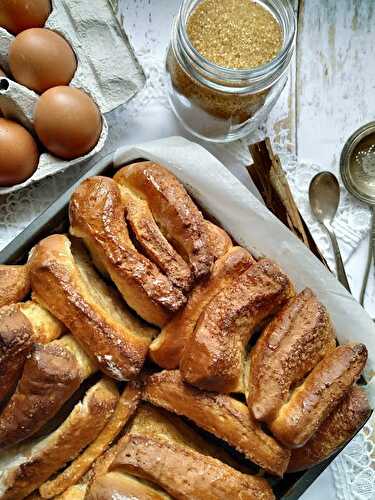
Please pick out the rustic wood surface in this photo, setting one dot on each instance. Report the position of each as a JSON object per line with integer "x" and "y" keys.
{"x": 335, "y": 75}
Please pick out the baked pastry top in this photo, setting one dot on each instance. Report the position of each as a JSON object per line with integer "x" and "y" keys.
{"x": 166, "y": 350}
{"x": 74, "y": 293}
{"x": 222, "y": 415}
{"x": 174, "y": 211}
{"x": 97, "y": 215}
{"x": 290, "y": 346}
{"x": 214, "y": 355}
{"x": 319, "y": 394}
{"x": 340, "y": 425}
{"x": 159, "y": 439}
{"x": 14, "y": 284}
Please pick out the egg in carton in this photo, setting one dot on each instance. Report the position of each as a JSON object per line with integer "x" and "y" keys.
{"x": 107, "y": 70}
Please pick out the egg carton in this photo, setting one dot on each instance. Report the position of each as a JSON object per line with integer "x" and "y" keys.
{"x": 107, "y": 70}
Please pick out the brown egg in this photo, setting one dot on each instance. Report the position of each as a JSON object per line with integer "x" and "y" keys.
{"x": 67, "y": 122}
{"x": 40, "y": 59}
{"x": 19, "y": 154}
{"x": 20, "y": 15}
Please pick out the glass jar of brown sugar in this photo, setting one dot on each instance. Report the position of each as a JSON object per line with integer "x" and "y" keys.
{"x": 227, "y": 64}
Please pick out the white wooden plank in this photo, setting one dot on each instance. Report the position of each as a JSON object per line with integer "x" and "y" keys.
{"x": 335, "y": 76}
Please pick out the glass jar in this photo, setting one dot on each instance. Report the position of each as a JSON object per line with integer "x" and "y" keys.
{"x": 224, "y": 104}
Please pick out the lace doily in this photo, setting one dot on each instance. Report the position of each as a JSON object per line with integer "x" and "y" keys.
{"x": 354, "y": 470}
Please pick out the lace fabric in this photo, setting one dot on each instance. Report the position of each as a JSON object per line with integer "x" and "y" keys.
{"x": 354, "y": 469}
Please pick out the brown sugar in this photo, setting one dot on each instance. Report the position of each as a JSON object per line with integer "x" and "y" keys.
{"x": 238, "y": 34}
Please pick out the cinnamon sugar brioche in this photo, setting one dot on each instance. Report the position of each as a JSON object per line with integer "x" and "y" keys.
{"x": 45, "y": 326}
{"x": 24, "y": 468}
{"x": 154, "y": 244}
{"x": 167, "y": 348}
{"x": 183, "y": 471}
{"x": 153, "y": 422}
{"x": 85, "y": 363}
{"x": 96, "y": 215}
{"x": 125, "y": 408}
{"x": 319, "y": 394}
{"x": 123, "y": 486}
{"x": 213, "y": 355}
{"x": 76, "y": 492}
{"x": 50, "y": 376}
{"x": 173, "y": 210}
{"x": 289, "y": 348}
{"x": 14, "y": 284}
{"x": 21, "y": 325}
{"x": 74, "y": 293}
{"x": 334, "y": 432}
{"x": 15, "y": 343}
{"x": 220, "y": 414}
{"x": 219, "y": 240}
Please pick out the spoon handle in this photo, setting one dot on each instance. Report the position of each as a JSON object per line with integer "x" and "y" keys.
{"x": 341, "y": 274}
{"x": 371, "y": 252}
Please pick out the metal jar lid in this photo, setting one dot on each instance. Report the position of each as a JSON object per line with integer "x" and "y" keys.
{"x": 359, "y": 182}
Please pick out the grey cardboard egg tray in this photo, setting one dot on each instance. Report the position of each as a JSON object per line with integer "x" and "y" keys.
{"x": 106, "y": 69}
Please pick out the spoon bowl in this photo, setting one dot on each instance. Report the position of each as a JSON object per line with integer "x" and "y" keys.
{"x": 324, "y": 195}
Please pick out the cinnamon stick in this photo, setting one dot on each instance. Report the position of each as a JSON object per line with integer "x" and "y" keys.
{"x": 270, "y": 179}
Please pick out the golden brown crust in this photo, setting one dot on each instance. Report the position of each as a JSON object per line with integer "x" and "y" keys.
{"x": 320, "y": 393}
{"x": 291, "y": 345}
{"x": 101, "y": 465}
{"x": 167, "y": 348}
{"x": 334, "y": 432}
{"x": 219, "y": 240}
{"x": 96, "y": 214}
{"x": 185, "y": 473}
{"x": 161, "y": 424}
{"x": 76, "y": 492}
{"x": 174, "y": 211}
{"x": 223, "y": 416}
{"x": 25, "y": 468}
{"x": 214, "y": 354}
{"x": 85, "y": 364}
{"x": 15, "y": 343}
{"x": 14, "y": 284}
{"x": 50, "y": 376}
{"x": 118, "y": 348}
{"x": 20, "y": 325}
{"x": 45, "y": 326}
{"x": 154, "y": 244}
{"x": 123, "y": 486}
{"x": 125, "y": 408}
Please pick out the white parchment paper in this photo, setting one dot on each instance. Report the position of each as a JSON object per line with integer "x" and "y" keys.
{"x": 253, "y": 226}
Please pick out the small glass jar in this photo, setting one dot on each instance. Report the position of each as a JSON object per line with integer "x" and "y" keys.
{"x": 224, "y": 104}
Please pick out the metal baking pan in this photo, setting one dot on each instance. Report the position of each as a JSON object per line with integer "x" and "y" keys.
{"x": 55, "y": 219}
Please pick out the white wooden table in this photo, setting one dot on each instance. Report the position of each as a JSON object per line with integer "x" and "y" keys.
{"x": 330, "y": 93}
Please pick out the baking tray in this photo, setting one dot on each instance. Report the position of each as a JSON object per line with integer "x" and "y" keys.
{"x": 55, "y": 219}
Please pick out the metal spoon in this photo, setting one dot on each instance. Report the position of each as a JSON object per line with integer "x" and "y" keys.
{"x": 358, "y": 175}
{"x": 324, "y": 194}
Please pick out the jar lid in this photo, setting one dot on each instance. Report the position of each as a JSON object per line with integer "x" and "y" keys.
{"x": 357, "y": 164}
